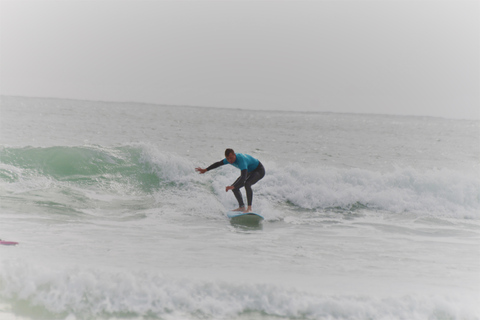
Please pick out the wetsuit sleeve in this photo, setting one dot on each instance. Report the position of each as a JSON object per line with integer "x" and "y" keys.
{"x": 240, "y": 182}
{"x": 216, "y": 165}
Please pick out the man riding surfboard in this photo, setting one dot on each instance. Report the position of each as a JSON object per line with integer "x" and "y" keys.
{"x": 251, "y": 170}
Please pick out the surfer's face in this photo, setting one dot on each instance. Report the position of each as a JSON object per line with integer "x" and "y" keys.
{"x": 231, "y": 157}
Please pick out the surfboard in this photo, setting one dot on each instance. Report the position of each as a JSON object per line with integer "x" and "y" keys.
{"x": 244, "y": 216}
{"x": 8, "y": 243}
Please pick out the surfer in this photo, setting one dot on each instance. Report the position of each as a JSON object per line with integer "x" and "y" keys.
{"x": 251, "y": 170}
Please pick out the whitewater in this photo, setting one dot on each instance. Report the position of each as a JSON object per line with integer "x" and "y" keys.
{"x": 366, "y": 216}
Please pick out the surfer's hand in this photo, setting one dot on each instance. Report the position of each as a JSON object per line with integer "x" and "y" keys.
{"x": 200, "y": 170}
{"x": 229, "y": 188}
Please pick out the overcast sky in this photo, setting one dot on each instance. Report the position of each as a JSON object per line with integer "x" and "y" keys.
{"x": 392, "y": 57}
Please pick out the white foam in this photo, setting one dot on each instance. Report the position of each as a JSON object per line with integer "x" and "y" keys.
{"x": 168, "y": 166}
{"x": 434, "y": 192}
{"x": 81, "y": 293}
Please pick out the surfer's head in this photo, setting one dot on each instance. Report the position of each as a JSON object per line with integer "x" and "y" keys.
{"x": 230, "y": 155}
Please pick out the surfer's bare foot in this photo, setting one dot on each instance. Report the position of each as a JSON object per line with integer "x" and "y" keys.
{"x": 249, "y": 209}
{"x": 240, "y": 209}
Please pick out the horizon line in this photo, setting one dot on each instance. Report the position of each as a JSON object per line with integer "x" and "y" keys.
{"x": 235, "y": 108}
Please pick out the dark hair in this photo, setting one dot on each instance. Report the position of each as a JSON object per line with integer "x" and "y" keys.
{"x": 228, "y": 151}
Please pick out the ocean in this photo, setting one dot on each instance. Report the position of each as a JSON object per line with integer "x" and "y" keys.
{"x": 366, "y": 216}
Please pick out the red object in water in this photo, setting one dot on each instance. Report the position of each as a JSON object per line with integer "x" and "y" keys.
{"x": 8, "y": 243}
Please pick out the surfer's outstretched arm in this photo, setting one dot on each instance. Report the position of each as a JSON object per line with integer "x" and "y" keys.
{"x": 211, "y": 167}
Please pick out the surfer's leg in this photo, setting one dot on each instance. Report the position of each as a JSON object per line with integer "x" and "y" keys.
{"x": 239, "y": 197}
{"x": 253, "y": 178}
{"x": 248, "y": 189}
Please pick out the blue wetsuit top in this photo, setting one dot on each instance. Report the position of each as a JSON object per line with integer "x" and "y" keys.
{"x": 244, "y": 161}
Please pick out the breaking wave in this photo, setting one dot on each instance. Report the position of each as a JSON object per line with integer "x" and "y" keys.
{"x": 95, "y": 294}
{"x": 90, "y": 172}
